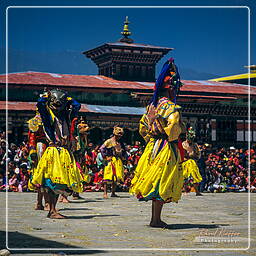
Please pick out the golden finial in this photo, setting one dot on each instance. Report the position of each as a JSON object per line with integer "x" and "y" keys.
{"x": 126, "y": 32}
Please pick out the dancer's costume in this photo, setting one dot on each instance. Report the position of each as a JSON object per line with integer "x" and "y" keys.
{"x": 79, "y": 131}
{"x": 37, "y": 143}
{"x": 57, "y": 169}
{"x": 114, "y": 152}
{"x": 192, "y": 154}
{"x": 158, "y": 175}
{"x": 37, "y": 138}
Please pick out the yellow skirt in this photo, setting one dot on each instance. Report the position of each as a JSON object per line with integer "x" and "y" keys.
{"x": 30, "y": 185}
{"x": 158, "y": 174}
{"x": 57, "y": 169}
{"x": 84, "y": 173}
{"x": 86, "y": 176}
{"x": 114, "y": 170}
{"x": 190, "y": 169}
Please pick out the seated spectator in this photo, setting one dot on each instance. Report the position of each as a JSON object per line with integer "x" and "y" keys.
{"x": 23, "y": 178}
{"x": 13, "y": 181}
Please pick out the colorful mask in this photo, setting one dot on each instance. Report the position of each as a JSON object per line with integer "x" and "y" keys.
{"x": 168, "y": 78}
{"x": 118, "y": 131}
{"x": 57, "y": 100}
{"x": 191, "y": 134}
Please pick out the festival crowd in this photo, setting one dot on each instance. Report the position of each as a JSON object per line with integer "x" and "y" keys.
{"x": 222, "y": 169}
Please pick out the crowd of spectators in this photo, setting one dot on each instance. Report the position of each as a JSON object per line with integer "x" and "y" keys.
{"x": 222, "y": 169}
{"x": 226, "y": 170}
{"x": 16, "y": 162}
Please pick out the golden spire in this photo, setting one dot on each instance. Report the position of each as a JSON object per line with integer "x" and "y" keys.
{"x": 126, "y": 32}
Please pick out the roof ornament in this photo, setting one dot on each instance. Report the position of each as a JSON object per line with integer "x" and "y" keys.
{"x": 126, "y": 33}
{"x": 252, "y": 68}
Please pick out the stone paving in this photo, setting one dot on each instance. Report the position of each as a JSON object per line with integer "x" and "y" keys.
{"x": 119, "y": 226}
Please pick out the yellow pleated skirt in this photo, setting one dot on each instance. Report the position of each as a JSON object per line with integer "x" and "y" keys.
{"x": 114, "y": 170}
{"x": 57, "y": 169}
{"x": 190, "y": 169}
{"x": 158, "y": 174}
{"x": 84, "y": 173}
{"x": 30, "y": 185}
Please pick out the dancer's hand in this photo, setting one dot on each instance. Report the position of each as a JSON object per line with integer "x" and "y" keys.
{"x": 151, "y": 114}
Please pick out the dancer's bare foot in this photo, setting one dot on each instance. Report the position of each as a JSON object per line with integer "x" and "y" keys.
{"x": 114, "y": 195}
{"x": 105, "y": 196}
{"x": 39, "y": 207}
{"x": 47, "y": 207}
{"x": 56, "y": 215}
{"x": 160, "y": 224}
{"x": 65, "y": 200}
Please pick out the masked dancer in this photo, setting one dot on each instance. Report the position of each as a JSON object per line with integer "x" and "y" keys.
{"x": 37, "y": 145}
{"x": 158, "y": 176}
{"x": 113, "y": 152}
{"x": 191, "y": 171}
{"x": 57, "y": 170}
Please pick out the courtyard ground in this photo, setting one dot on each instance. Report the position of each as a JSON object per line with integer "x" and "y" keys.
{"x": 214, "y": 224}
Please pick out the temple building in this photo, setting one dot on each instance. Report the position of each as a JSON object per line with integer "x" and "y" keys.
{"x": 121, "y": 90}
{"x": 125, "y": 60}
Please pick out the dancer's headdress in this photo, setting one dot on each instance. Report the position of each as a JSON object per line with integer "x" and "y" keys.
{"x": 168, "y": 77}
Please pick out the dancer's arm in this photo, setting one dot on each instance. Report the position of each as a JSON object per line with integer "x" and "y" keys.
{"x": 144, "y": 128}
{"x": 173, "y": 129}
{"x": 146, "y": 123}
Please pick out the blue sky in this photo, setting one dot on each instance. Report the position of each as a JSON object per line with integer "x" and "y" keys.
{"x": 208, "y": 42}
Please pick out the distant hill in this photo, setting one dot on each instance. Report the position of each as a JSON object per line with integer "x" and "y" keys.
{"x": 65, "y": 62}
{"x": 190, "y": 74}
{"x": 69, "y": 62}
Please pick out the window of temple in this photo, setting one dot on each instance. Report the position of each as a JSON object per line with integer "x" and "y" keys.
{"x": 124, "y": 70}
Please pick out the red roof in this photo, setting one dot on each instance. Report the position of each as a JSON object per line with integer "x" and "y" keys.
{"x": 27, "y": 79}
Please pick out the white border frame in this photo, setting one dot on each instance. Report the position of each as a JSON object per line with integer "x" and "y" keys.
{"x": 249, "y": 131}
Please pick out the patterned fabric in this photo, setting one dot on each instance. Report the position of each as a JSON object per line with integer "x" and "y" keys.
{"x": 111, "y": 147}
{"x": 58, "y": 165}
{"x": 114, "y": 170}
{"x": 191, "y": 170}
{"x": 167, "y": 123}
{"x": 160, "y": 178}
{"x": 57, "y": 168}
{"x": 35, "y": 134}
{"x": 159, "y": 174}
{"x": 34, "y": 123}
{"x": 49, "y": 119}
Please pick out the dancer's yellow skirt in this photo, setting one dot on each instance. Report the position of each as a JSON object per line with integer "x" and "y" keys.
{"x": 190, "y": 169}
{"x": 57, "y": 169}
{"x": 114, "y": 170}
{"x": 158, "y": 174}
{"x": 30, "y": 185}
{"x": 85, "y": 175}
